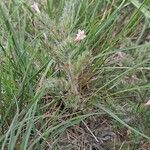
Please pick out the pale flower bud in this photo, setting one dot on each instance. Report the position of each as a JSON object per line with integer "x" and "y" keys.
{"x": 147, "y": 104}
{"x": 80, "y": 35}
{"x": 35, "y": 7}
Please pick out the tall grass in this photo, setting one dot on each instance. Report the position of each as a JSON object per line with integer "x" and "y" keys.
{"x": 49, "y": 82}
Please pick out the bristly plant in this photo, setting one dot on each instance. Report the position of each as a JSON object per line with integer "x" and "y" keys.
{"x": 63, "y": 61}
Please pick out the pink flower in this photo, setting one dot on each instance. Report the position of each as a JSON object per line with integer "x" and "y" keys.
{"x": 147, "y": 104}
{"x": 80, "y": 35}
{"x": 35, "y": 7}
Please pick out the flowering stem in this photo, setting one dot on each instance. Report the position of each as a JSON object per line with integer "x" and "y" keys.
{"x": 73, "y": 82}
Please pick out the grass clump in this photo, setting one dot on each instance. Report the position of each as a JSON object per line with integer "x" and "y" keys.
{"x": 60, "y": 93}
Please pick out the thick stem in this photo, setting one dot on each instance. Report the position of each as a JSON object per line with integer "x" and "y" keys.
{"x": 73, "y": 82}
